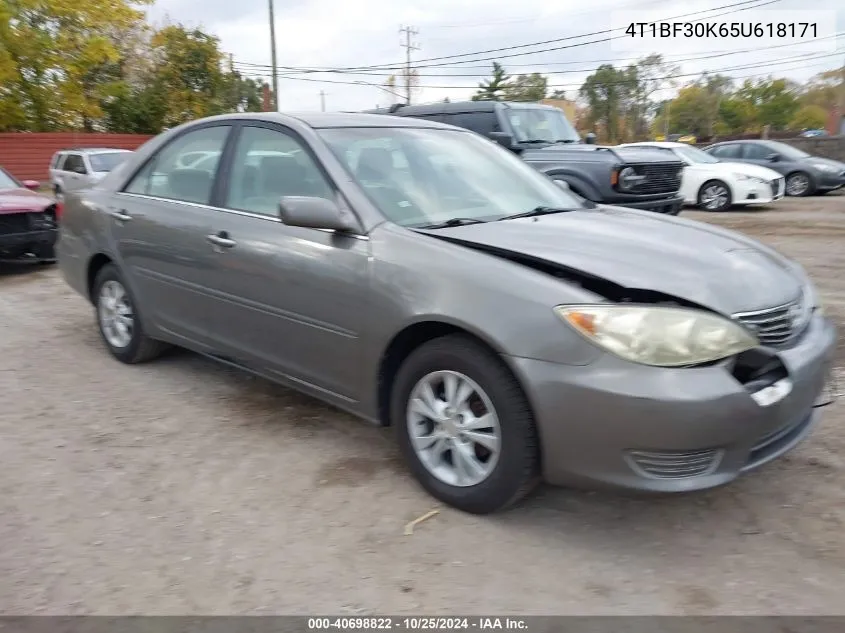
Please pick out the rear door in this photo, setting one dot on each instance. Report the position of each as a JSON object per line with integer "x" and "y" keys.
{"x": 759, "y": 155}
{"x": 161, "y": 222}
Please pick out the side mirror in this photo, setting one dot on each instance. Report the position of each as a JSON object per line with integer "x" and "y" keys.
{"x": 774, "y": 158}
{"x": 502, "y": 138}
{"x": 590, "y": 139}
{"x": 315, "y": 213}
{"x": 563, "y": 185}
{"x": 32, "y": 185}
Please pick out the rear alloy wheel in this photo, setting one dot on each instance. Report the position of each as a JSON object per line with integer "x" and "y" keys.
{"x": 714, "y": 195}
{"x": 798, "y": 184}
{"x": 464, "y": 425}
{"x": 117, "y": 317}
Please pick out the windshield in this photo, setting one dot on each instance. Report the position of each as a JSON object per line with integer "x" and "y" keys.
{"x": 540, "y": 124}
{"x": 788, "y": 151}
{"x": 7, "y": 182}
{"x": 107, "y": 162}
{"x": 694, "y": 155}
{"x": 418, "y": 177}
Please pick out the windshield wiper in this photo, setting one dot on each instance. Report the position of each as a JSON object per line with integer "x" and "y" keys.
{"x": 537, "y": 140}
{"x": 565, "y": 140}
{"x": 452, "y": 222}
{"x": 541, "y": 210}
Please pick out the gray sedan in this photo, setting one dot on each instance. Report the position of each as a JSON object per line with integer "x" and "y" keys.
{"x": 805, "y": 174}
{"x": 420, "y": 276}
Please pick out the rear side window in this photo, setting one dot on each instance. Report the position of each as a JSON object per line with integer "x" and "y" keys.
{"x": 481, "y": 122}
{"x": 726, "y": 151}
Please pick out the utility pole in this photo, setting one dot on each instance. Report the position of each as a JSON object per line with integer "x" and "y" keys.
{"x": 273, "y": 58}
{"x": 235, "y": 83}
{"x": 409, "y": 46}
{"x": 322, "y": 101}
{"x": 666, "y": 107}
{"x": 839, "y": 126}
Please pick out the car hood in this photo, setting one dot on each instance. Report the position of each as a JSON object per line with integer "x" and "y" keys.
{"x": 639, "y": 250}
{"x": 746, "y": 169}
{"x": 600, "y": 153}
{"x": 17, "y": 200}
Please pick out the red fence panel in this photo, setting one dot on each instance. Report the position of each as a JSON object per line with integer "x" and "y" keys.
{"x": 26, "y": 155}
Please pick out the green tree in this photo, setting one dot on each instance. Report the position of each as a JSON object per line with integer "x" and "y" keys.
{"x": 776, "y": 100}
{"x": 647, "y": 76}
{"x": 691, "y": 112}
{"x": 531, "y": 87}
{"x": 823, "y": 90}
{"x": 492, "y": 89}
{"x": 55, "y": 59}
{"x": 809, "y": 117}
{"x": 736, "y": 115}
{"x": 605, "y": 92}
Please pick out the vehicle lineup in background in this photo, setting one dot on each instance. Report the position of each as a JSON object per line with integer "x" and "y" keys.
{"x": 28, "y": 220}
{"x": 544, "y": 138}
{"x": 805, "y": 174}
{"x": 714, "y": 185}
{"x": 422, "y": 277}
{"x": 75, "y": 169}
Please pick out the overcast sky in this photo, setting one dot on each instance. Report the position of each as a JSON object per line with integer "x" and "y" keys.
{"x": 355, "y": 33}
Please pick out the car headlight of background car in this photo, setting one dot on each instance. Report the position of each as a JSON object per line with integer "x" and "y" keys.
{"x": 823, "y": 167}
{"x": 658, "y": 335}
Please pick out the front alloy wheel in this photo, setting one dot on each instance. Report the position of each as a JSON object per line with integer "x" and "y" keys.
{"x": 714, "y": 196}
{"x": 798, "y": 184}
{"x": 454, "y": 428}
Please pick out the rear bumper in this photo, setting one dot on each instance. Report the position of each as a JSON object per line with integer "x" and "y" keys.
{"x": 670, "y": 205}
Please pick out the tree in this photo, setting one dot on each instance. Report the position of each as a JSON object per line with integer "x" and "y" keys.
{"x": 691, "y": 112}
{"x": 605, "y": 91}
{"x": 736, "y": 115}
{"x": 55, "y": 60}
{"x": 526, "y": 88}
{"x": 558, "y": 94}
{"x": 649, "y": 75}
{"x": 809, "y": 117}
{"x": 775, "y": 100}
{"x": 492, "y": 89}
{"x": 823, "y": 90}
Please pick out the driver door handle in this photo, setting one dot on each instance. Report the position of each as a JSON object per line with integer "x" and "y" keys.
{"x": 221, "y": 240}
{"x": 120, "y": 214}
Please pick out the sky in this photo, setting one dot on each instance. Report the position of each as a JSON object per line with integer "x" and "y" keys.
{"x": 343, "y": 34}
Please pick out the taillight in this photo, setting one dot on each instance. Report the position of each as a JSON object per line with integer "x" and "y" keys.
{"x": 60, "y": 207}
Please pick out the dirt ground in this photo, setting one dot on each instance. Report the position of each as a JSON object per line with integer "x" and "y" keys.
{"x": 183, "y": 487}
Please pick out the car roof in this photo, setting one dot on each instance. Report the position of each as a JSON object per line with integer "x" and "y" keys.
{"x": 666, "y": 144}
{"x": 92, "y": 150}
{"x": 322, "y": 120}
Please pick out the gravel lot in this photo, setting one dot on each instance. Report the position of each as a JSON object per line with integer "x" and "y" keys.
{"x": 183, "y": 487}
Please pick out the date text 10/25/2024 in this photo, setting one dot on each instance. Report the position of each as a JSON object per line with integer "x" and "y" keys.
{"x": 434, "y": 624}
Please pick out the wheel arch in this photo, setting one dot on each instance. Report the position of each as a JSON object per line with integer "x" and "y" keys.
{"x": 413, "y": 336}
{"x": 95, "y": 265}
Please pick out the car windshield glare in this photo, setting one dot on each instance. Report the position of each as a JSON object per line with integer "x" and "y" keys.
{"x": 107, "y": 161}
{"x": 694, "y": 155}
{"x": 540, "y": 124}
{"x": 791, "y": 153}
{"x": 419, "y": 177}
{"x": 7, "y": 182}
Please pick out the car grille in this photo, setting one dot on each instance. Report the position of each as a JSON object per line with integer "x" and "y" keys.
{"x": 660, "y": 178}
{"x": 675, "y": 464}
{"x": 776, "y": 326}
{"x": 14, "y": 223}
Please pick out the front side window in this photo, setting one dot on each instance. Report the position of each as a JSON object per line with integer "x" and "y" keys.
{"x": 540, "y": 124}
{"x": 791, "y": 153}
{"x": 418, "y": 177}
{"x": 165, "y": 177}
{"x": 269, "y": 164}
{"x": 693, "y": 155}
{"x": 75, "y": 164}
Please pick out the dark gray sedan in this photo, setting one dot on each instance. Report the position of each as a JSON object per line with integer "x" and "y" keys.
{"x": 420, "y": 276}
{"x": 805, "y": 174}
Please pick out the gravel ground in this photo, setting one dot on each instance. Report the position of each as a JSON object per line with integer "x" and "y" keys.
{"x": 183, "y": 487}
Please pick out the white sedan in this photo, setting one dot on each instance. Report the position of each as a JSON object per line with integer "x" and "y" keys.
{"x": 714, "y": 185}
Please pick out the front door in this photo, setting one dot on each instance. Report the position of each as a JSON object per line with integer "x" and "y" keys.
{"x": 160, "y": 223}
{"x": 292, "y": 301}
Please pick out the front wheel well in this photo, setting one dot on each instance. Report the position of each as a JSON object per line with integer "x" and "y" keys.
{"x": 94, "y": 267}
{"x": 402, "y": 345}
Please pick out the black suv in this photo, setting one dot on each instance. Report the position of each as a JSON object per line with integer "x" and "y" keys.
{"x": 541, "y": 135}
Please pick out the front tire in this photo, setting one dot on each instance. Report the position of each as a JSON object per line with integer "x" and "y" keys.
{"x": 714, "y": 195}
{"x": 464, "y": 425}
{"x": 117, "y": 317}
{"x": 799, "y": 185}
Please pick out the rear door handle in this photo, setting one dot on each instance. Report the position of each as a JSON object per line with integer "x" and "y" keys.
{"x": 221, "y": 239}
{"x": 120, "y": 215}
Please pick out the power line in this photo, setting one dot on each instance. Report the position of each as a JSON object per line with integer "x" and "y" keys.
{"x": 755, "y": 4}
{"x": 786, "y": 60}
{"x": 580, "y": 70}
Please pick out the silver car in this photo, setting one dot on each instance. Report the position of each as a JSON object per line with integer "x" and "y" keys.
{"x": 422, "y": 277}
{"x": 75, "y": 169}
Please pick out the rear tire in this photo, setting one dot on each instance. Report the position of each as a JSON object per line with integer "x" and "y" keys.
{"x": 119, "y": 323}
{"x": 512, "y": 463}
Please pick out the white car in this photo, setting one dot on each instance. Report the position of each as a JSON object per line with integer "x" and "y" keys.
{"x": 74, "y": 169}
{"x": 714, "y": 185}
